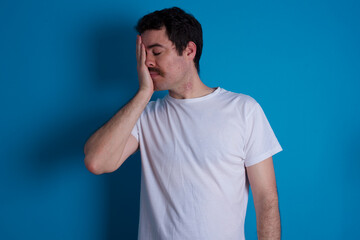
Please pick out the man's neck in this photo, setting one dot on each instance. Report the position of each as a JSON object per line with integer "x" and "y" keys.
{"x": 191, "y": 88}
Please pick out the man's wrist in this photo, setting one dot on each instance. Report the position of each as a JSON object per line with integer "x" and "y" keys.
{"x": 145, "y": 93}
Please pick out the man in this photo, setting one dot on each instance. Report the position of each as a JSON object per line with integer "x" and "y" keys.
{"x": 199, "y": 145}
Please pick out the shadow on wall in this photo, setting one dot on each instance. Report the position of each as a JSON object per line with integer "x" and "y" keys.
{"x": 114, "y": 56}
{"x": 115, "y": 59}
{"x": 113, "y": 81}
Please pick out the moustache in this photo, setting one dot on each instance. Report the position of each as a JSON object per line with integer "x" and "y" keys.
{"x": 151, "y": 69}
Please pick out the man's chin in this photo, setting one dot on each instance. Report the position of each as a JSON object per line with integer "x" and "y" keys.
{"x": 159, "y": 84}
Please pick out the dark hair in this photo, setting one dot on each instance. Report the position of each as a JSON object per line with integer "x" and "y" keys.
{"x": 181, "y": 28}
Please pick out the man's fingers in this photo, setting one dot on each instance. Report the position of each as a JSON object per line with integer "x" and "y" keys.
{"x": 143, "y": 54}
{"x": 138, "y": 50}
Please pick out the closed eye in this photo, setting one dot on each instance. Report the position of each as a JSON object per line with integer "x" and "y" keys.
{"x": 156, "y": 53}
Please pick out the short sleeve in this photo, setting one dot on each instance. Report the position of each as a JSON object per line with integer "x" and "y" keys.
{"x": 135, "y": 130}
{"x": 261, "y": 142}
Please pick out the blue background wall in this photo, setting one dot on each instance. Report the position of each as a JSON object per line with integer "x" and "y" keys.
{"x": 66, "y": 67}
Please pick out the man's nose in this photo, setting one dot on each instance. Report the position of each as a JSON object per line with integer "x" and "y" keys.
{"x": 149, "y": 62}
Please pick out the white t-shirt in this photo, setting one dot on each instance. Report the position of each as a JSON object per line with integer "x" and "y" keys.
{"x": 193, "y": 154}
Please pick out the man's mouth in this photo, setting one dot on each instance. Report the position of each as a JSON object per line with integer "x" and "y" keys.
{"x": 154, "y": 72}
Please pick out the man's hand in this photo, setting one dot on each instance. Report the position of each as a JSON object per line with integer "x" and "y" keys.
{"x": 145, "y": 81}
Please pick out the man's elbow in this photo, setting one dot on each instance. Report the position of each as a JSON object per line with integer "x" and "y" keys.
{"x": 92, "y": 162}
{"x": 98, "y": 162}
{"x": 93, "y": 166}
{"x": 96, "y": 166}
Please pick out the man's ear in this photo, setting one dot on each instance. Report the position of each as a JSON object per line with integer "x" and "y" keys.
{"x": 190, "y": 50}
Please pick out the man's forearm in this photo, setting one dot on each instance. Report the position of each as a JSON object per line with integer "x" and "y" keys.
{"x": 268, "y": 220}
{"x": 105, "y": 146}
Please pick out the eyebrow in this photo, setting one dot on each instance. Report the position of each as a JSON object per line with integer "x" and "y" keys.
{"x": 155, "y": 45}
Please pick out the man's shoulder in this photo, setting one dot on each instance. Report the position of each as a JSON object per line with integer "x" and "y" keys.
{"x": 154, "y": 105}
{"x": 238, "y": 98}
